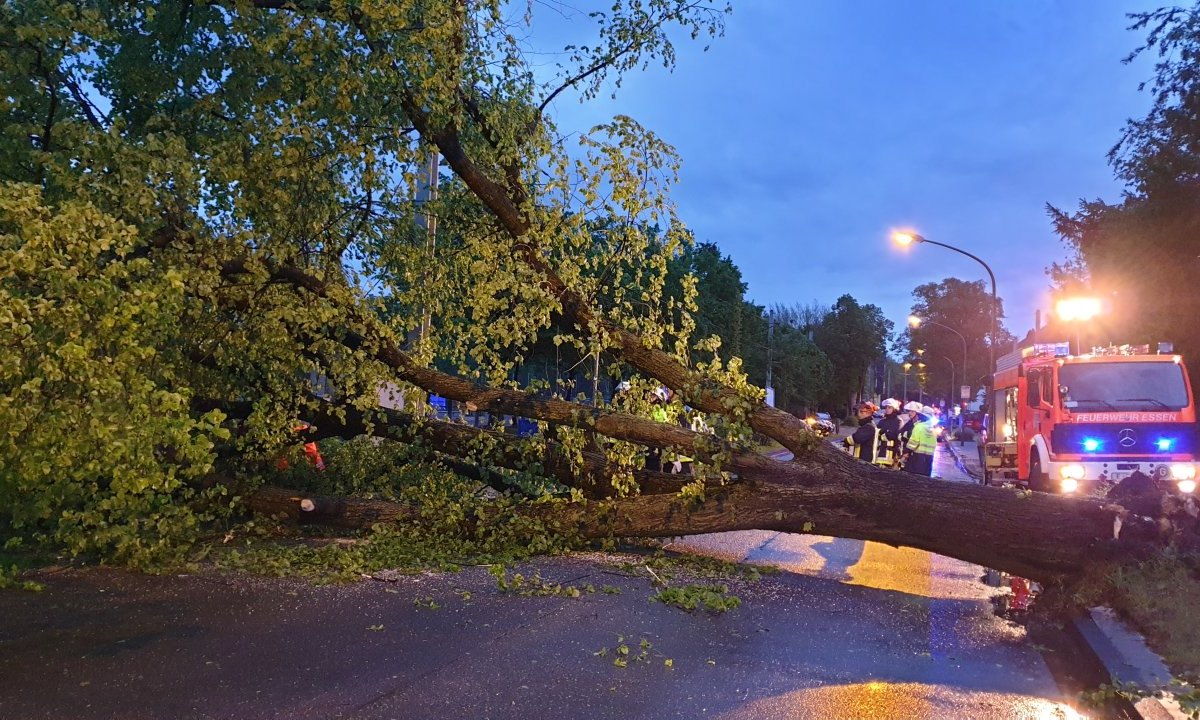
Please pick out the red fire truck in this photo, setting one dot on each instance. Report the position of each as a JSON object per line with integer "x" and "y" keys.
{"x": 1064, "y": 423}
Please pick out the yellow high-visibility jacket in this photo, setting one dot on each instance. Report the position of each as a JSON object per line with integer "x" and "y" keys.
{"x": 923, "y": 440}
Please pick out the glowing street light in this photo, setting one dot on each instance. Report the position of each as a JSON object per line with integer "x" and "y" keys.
{"x": 907, "y": 366}
{"x": 1079, "y": 308}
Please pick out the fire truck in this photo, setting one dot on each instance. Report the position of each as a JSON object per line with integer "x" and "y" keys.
{"x": 1067, "y": 423}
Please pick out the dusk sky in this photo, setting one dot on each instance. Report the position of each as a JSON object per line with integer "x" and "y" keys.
{"x": 811, "y": 129}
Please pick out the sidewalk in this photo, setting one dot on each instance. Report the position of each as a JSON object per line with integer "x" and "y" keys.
{"x": 966, "y": 456}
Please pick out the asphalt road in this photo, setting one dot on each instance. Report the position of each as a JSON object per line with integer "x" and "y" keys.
{"x": 962, "y": 661}
{"x": 853, "y": 630}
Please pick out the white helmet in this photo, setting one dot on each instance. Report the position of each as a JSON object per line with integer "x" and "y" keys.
{"x": 926, "y": 410}
{"x": 623, "y": 386}
{"x": 913, "y": 406}
{"x": 892, "y": 403}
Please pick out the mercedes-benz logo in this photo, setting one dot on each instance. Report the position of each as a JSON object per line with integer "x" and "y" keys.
{"x": 1127, "y": 438}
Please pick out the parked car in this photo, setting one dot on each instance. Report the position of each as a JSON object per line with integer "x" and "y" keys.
{"x": 822, "y": 423}
{"x": 974, "y": 420}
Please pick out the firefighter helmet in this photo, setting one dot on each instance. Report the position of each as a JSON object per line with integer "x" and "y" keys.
{"x": 913, "y": 406}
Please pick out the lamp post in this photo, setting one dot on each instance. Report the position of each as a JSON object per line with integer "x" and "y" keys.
{"x": 952, "y": 376}
{"x": 914, "y": 322}
{"x": 905, "y": 239}
{"x": 907, "y": 366}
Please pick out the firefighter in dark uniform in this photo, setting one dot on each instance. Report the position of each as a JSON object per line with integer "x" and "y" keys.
{"x": 889, "y": 434}
{"x": 865, "y": 439}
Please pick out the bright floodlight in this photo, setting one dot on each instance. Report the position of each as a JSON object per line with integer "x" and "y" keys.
{"x": 1083, "y": 308}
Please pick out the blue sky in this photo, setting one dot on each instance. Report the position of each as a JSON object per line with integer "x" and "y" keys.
{"x": 814, "y": 127}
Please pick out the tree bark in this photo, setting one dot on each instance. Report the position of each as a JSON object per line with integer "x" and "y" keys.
{"x": 1037, "y": 535}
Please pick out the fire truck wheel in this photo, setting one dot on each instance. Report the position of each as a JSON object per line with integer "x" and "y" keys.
{"x": 1037, "y": 478}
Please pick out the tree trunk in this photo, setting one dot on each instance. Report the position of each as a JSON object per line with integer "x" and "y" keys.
{"x": 1036, "y": 535}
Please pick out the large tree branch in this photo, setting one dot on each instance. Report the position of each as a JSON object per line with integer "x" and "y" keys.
{"x": 1040, "y": 536}
{"x": 621, "y": 426}
{"x": 699, "y": 391}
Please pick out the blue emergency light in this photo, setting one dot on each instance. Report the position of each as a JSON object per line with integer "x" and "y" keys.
{"x": 1091, "y": 444}
{"x": 1165, "y": 444}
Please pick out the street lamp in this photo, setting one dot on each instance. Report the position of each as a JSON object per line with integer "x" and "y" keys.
{"x": 905, "y": 239}
{"x": 907, "y": 366}
{"x": 914, "y": 322}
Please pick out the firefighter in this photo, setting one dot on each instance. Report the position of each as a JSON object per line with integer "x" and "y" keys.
{"x": 865, "y": 439}
{"x": 889, "y": 434}
{"x": 918, "y": 451}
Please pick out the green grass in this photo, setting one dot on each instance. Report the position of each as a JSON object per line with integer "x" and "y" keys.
{"x": 1158, "y": 596}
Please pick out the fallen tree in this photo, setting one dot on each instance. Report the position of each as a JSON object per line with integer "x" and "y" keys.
{"x": 241, "y": 254}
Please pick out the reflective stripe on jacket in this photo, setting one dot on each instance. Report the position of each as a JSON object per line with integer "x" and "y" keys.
{"x": 923, "y": 440}
{"x": 864, "y": 441}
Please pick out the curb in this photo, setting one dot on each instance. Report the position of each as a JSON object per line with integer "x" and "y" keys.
{"x": 1123, "y": 656}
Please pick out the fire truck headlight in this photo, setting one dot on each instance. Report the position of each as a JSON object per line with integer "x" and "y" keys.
{"x": 1183, "y": 471}
{"x": 1069, "y": 485}
{"x": 1187, "y": 487}
{"x": 1072, "y": 471}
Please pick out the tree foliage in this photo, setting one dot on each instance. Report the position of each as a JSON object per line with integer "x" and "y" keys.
{"x": 964, "y": 307}
{"x": 1140, "y": 254}
{"x": 852, "y": 336}
{"x": 206, "y": 204}
{"x": 758, "y": 336}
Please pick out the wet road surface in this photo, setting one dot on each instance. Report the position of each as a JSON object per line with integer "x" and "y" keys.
{"x": 853, "y": 630}
{"x": 950, "y": 657}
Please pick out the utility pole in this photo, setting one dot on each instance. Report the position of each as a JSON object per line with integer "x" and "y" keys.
{"x": 427, "y": 193}
{"x": 427, "y": 190}
{"x": 770, "y": 340}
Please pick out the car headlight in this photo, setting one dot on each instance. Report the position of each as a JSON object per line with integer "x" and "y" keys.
{"x": 1072, "y": 471}
{"x": 1068, "y": 485}
{"x": 1183, "y": 471}
{"x": 1187, "y": 487}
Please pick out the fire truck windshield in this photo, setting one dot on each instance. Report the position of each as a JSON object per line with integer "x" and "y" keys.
{"x": 1125, "y": 386}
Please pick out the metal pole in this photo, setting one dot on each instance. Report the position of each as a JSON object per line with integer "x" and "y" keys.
{"x": 770, "y": 338}
{"x": 995, "y": 311}
{"x": 950, "y": 402}
{"x": 428, "y": 193}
